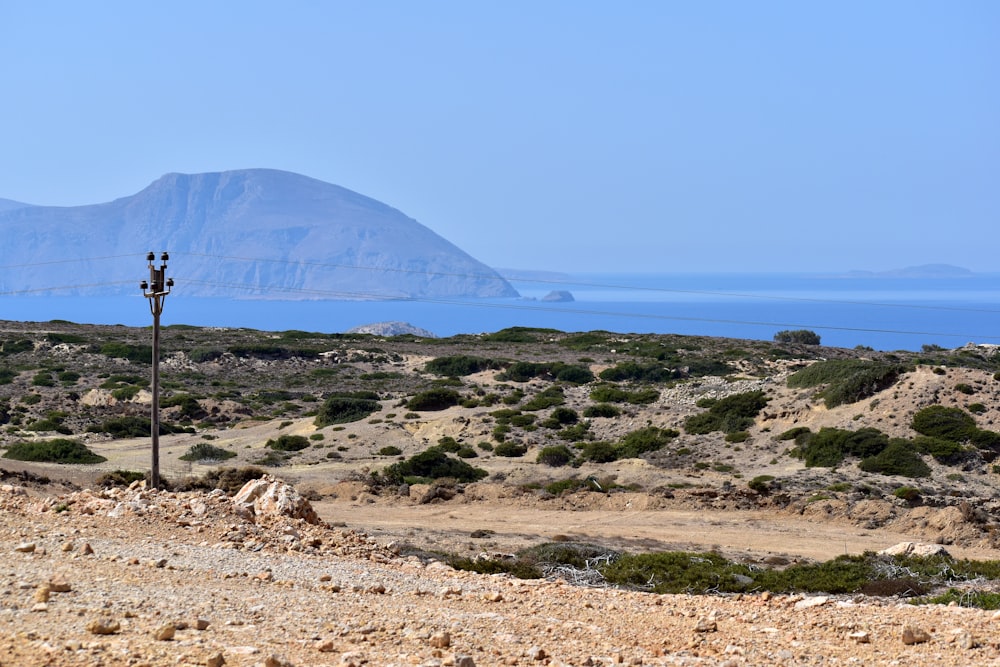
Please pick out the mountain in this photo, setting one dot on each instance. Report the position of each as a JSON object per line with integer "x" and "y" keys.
{"x": 10, "y": 204}
{"x": 255, "y": 233}
{"x": 922, "y": 271}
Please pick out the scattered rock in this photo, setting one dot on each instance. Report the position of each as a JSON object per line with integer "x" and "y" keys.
{"x": 706, "y": 624}
{"x": 914, "y": 635}
{"x": 25, "y": 547}
{"x": 915, "y": 549}
{"x": 273, "y": 497}
{"x": 165, "y": 632}
{"x": 440, "y": 640}
{"x": 103, "y": 626}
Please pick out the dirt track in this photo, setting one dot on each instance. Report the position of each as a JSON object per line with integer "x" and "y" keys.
{"x": 755, "y": 534}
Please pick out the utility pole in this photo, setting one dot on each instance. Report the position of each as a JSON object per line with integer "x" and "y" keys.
{"x": 156, "y": 290}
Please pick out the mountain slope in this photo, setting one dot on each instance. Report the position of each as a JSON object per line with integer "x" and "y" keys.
{"x": 255, "y": 232}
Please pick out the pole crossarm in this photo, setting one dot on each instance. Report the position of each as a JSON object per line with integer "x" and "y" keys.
{"x": 156, "y": 290}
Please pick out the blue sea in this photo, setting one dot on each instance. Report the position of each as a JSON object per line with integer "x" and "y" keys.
{"x": 884, "y": 313}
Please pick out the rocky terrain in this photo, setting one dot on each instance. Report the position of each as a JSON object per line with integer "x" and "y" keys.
{"x": 102, "y": 570}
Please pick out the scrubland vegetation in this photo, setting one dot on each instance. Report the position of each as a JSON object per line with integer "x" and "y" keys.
{"x": 552, "y": 413}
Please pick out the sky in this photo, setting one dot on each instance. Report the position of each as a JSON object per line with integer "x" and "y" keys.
{"x": 658, "y": 136}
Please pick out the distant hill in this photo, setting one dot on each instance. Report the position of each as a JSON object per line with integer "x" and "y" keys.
{"x": 255, "y": 233}
{"x": 922, "y": 271}
{"x": 10, "y": 204}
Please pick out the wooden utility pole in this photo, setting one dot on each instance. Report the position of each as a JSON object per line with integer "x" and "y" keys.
{"x": 156, "y": 290}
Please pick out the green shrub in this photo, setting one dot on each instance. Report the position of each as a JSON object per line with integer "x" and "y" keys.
{"x": 555, "y": 456}
{"x": 7, "y": 376}
{"x": 459, "y": 365}
{"x": 976, "y": 408}
{"x": 288, "y": 443}
{"x": 466, "y": 452}
{"x": 800, "y": 336}
{"x": 644, "y": 440}
{"x": 433, "y": 464}
{"x": 188, "y": 406}
{"x": 897, "y": 459}
{"x": 16, "y": 346}
{"x": 230, "y": 480}
{"x": 605, "y": 410}
{"x": 341, "y": 409}
{"x": 794, "y": 433}
{"x": 271, "y": 351}
{"x": 435, "y": 399}
{"x": 119, "y": 478}
{"x": 606, "y": 393}
{"x": 206, "y": 452}
{"x": 390, "y": 450}
{"x": 908, "y": 493}
{"x": 510, "y": 449}
{"x": 125, "y": 393}
{"x": 730, "y": 414}
{"x": 737, "y": 436}
{"x": 847, "y": 380}
{"x": 43, "y": 379}
{"x": 134, "y": 353}
{"x": 635, "y": 372}
{"x": 571, "y": 374}
{"x": 938, "y": 421}
{"x": 517, "y": 335}
{"x": 563, "y": 415}
{"x": 761, "y": 484}
{"x": 599, "y": 452}
{"x": 202, "y": 355}
{"x": 547, "y": 398}
{"x": 830, "y": 446}
{"x": 59, "y": 450}
{"x": 448, "y": 444}
{"x": 132, "y": 427}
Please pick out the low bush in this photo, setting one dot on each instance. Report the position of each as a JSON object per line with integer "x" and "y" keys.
{"x": 938, "y": 421}
{"x": 230, "y": 480}
{"x": 59, "y": 450}
{"x": 142, "y": 354}
{"x": 607, "y": 393}
{"x": 344, "y": 409}
{"x": 206, "y": 452}
{"x": 459, "y": 365}
{"x": 510, "y": 449}
{"x": 390, "y": 450}
{"x": 119, "y": 478}
{"x": 730, "y": 414}
{"x": 432, "y": 464}
{"x": 897, "y": 459}
{"x": 800, "y": 336}
{"x": 435, "y": 399}
{"x": 643, "y": 441}
{"x": 133, "y": 427}
{"x": 555, "y": 456}
{"x": 547, "y": 398}
{"x": 830, "y": 446}
{"x": 605, "y": 410}
{"x": 288, "y": 443}
{"x": 847, "y": 380}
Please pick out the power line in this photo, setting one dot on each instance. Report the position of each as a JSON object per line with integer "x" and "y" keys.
{"x": 73, "y": 260}
{"x": 63, "y": 288}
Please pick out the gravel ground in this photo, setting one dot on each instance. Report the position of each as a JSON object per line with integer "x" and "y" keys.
{"x": 138, "y": 577}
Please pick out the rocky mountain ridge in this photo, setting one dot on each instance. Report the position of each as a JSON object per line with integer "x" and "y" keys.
{"x": 253, "y": 232}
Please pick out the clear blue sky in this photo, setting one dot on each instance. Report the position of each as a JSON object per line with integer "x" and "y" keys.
{"x": 565, "y": 135}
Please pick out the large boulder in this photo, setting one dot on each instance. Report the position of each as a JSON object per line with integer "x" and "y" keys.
{"x": 272, "y": 497}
